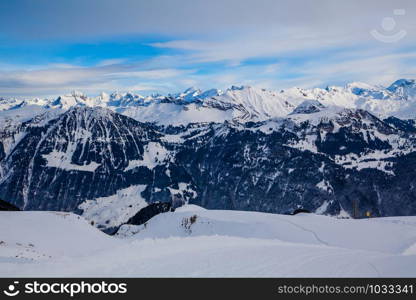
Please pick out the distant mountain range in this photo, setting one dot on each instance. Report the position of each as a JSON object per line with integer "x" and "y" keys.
{"x": 338, "y": 151}
{"x": 243, "y": 103}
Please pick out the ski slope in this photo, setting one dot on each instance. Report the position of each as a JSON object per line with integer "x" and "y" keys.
{"x": 194, "y": 242}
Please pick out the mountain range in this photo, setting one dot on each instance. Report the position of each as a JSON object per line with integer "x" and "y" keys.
{"x": 345, "y": 151}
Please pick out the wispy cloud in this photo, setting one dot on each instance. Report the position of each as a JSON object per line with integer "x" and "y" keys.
{"x": 268, "y": 43}
{"x": 104, "y": 77}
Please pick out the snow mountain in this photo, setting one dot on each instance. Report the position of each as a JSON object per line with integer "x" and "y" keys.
{"x": 405, "y": 88}
{"x": 120, "y": 158}
{"x": 241, "y": 104}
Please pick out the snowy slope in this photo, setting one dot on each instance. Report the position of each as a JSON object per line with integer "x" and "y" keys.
{"x": 38, "y": 235}
{"x": 111, "y": 211}
{"x": 177, "y": 114}
{"x": 363, "y": 234}
{"x": 194, "y": 242}
{"x": 253, "y": 104}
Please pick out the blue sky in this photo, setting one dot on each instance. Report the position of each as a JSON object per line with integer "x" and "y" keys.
{"x": 49, "y": 48}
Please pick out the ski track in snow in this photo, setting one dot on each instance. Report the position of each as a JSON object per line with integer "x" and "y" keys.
{"x": 308, "y": 230}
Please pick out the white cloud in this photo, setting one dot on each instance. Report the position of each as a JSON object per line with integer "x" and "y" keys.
{"x": 110, "y": 62}
{"x": 330, "y": 39}
{"x": 151, "y": 74}
{"x": 197, "y": 17}
{"x": 57, "y": 79}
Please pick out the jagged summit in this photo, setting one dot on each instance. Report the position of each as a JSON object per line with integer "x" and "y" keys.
{"x": 405, "y": 88}
{"x": 402, "y": 83}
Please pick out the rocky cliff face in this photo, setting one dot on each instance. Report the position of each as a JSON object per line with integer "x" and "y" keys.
{"x": 278, "y": 166}
{"x": 85, "y": 153}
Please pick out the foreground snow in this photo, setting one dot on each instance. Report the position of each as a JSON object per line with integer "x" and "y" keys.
{"x": 196, "y": 242}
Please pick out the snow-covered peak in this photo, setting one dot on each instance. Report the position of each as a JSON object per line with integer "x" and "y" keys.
{"x": 241, "y": 103}
{"x": 369, "y": 91}
{"x": 6, "y": 103}
{"x": 405, "y": 88}
{"x": 88, "y": 113}
{"x": 308, "y": 107}
{"x": 210, "y": 93}
{"x": 253, "y": 103}
{"x": 78, "y": 94}
{"x": 358, "y": 87}
{"x": 67, "y": 101}
{"x": 104, "y": 97}
{"x": 191, "y": 95}
{"x": 238, "y": 88}
{"x": 188, "y": 95}
{"x": 191, "y": 90}
{"x": 402, "y": 83}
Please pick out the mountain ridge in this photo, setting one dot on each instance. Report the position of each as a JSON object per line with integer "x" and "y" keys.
{"x": 243, "y": 149}
{"x": 93, "y": 161}
{"x": 249, "y": 103}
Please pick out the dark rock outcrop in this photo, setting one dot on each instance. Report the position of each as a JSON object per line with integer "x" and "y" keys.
{"x": 149, "y": 212}
{"x": 6, "y": 206}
